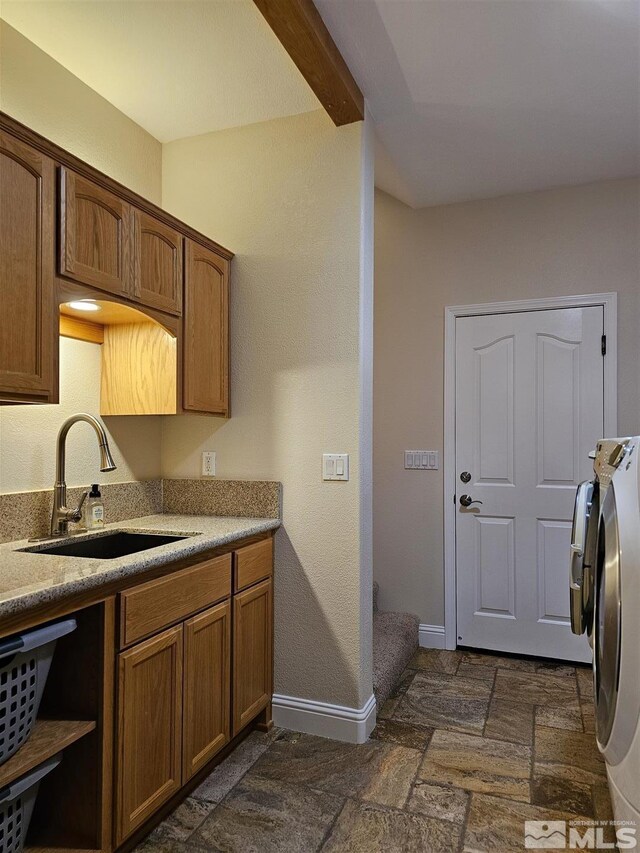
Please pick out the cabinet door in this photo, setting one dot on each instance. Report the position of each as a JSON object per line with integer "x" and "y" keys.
{"x": 157, "y": 264}
{"x": 252, "y": 652}
{"x": 95, "y": 235}
{"x": 149, "y": 728}
{"x": 28, "y": 336}
{"x": 206, "y": 331}
{"x": 207, "y": 687}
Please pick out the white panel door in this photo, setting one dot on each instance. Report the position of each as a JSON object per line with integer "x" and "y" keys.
{"x": 529, "y": 409}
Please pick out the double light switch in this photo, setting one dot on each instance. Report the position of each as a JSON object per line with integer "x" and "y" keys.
{"x": 335, "y": 466}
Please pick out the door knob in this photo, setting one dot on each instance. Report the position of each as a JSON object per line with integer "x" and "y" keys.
{"x": 467, "y": 500}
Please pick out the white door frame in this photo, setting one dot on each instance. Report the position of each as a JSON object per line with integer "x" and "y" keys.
{"x": 609, "y": 302}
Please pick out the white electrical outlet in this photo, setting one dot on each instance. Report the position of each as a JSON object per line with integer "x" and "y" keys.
{"x": 208, "y": 463}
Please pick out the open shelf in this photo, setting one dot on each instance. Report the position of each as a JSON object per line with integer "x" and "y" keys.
{"x": 30, "y": 848}
{"x": 47, "y": 739}
{"x": 72, "y": 813}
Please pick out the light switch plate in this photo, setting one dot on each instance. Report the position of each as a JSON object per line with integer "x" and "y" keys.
{"x": 428, "y": 460}
{"x": 208, "y": 463}
{"x": 335, "y": 466}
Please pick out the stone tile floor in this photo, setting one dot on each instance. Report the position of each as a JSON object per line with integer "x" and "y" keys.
{"x": 468, "y": 747}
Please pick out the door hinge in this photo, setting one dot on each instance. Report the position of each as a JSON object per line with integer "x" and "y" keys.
{"x": 603, "y": 347}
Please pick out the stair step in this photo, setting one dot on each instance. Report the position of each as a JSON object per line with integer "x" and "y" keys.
{"x": 395, "y": 640}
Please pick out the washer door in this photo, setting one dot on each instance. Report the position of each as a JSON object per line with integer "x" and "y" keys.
{"x": 583, "y": 538}
{"x": 608, "y": 616}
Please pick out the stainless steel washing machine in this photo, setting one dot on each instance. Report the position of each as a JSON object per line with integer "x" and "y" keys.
{"x": 590, "y": 497}
{"x": 605, "y": 597}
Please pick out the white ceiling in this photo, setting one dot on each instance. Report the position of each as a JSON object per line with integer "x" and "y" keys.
{"x": 177, "y": 68}
{"x": 480, "y": 98}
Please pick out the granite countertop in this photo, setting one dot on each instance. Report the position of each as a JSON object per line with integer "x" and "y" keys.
{"x": 29, "y": 580}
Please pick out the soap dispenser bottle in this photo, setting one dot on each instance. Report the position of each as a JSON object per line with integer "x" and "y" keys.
{"x": 94, "y": 509}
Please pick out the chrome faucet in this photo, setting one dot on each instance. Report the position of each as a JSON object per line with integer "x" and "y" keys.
{"x": 60, "y": 515}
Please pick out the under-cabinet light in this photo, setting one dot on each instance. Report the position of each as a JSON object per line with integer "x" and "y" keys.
{"x": 84, "y": 305}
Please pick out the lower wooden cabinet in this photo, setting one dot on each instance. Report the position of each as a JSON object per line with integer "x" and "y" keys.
{"x": 207, "y": 685}
{"x": 147, "y": 608}
{"x": 252, "y": 652}
{"x": 149, "y": 728}
{"x": 186, "y": 691}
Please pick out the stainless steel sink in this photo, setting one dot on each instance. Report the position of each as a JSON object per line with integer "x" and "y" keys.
{"x": 107, "y": 547}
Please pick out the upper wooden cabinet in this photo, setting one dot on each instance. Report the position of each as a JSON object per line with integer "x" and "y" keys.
{"x": 108, "y": 244}
{"x": 27, "y": 234}
{"x": 95, "y": 235}
{"x": 112, "y": 247}
{"x": 206, "y": 331}
{"x": 157, "y": 264}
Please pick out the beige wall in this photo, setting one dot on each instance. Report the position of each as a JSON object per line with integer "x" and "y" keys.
{"x": 37, "y": 91}
{"x": 28, "y": 433}
{"x": 567, "y": 241}
{"x": 292, "y": 198}
{"x": 43, "y": 95}
{"x": 286, "y": 196}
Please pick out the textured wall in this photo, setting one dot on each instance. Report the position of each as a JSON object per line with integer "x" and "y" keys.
{"x": 567, "y": 241}
{"x": 37, "y": 91}
{"x": 286, "y": 196}
{"x": 28, "y": 433}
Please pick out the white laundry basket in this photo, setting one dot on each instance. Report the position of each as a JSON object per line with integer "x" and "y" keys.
{"x": 16, "y": 806}
{"x": 24, "y": 665}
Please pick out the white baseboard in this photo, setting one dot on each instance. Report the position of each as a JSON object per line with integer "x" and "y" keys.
{"x": 353, "y": 725}
{"x": 432, "y": 637}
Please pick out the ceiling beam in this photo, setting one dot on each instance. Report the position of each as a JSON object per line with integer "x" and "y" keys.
{"x": 303, "y": 34}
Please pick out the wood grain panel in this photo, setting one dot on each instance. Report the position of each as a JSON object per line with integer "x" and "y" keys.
{"x": 81, "y": 330}
{"x": 304, "y": 35}
{"x": 151, "y": 606}
{"x": 252, "y": 652}
{"x": 206, "y": 331}
{"x": 95, "y": 235}
{"x": 207, "y": 687}
{"x": 158, "y": 264}
{"x": 252, "y": 564}
{"x": 139, "y": 370}
{"x": 149, "y": 728}
{"x": 27, "y": 332}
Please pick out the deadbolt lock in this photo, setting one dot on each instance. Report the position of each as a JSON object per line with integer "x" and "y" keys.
{"x": 465, "y": 476}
